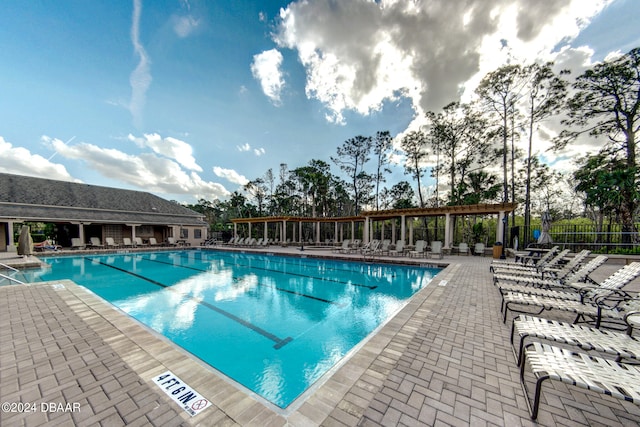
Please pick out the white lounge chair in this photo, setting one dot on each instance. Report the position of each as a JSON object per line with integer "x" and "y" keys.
{"x": 126, "y": 242}
{"x": 536, "y": 269}
{"x": 565, "y": 276}
{"x": 436, "y": 250}
{"x": 463, "y": 248}
{"x": 398, "y": 250}
{"x": 577, "y": 291}
{"x": 606, "y": 302}
{"x": 153, "y": 241}
{"x": 110, "y": 243}
{"x": 613, "y": 343}
{"x": 478, "y": 249}
{"x": 95, "y": 242}
{"x": 76, "y": 243}
{"x": 579, "y": 369}
{"x": 344, "y": 248}
{"x": 138, "y": 241}
{"x": 419, "y": 249}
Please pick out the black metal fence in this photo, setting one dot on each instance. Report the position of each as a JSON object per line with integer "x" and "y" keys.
{"x": 576, "y": 237}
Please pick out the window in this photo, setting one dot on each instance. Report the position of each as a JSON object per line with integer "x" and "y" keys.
{"x": 184, "y": 233}
{"x": 197, "y": 233}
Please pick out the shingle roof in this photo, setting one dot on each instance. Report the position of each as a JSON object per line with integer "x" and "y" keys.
{"x": 38, "y": 199}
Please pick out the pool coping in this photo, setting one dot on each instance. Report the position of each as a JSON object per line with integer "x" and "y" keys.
{"x": 149, "y": 354}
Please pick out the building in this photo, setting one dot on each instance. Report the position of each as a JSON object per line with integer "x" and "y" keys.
{"x": 84, "y": 211}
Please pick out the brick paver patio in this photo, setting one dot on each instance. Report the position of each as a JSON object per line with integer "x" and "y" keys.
{"x": 445, "y": 359}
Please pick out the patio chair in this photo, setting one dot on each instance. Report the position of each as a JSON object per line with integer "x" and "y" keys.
{"x": 371, "y": 248}
{"x": 76, "y": 243}
{"x": 355, "y": 246}
{"x": 110, "y": 243}
{"x": 463, "y": 248}
{"x": 536, "y": 269}
{"x": 567, "y": 275}
{"x": 171, "y": 241}
{"x": 606, "y": 302}
{"x": 153, "y": 241}
{"x": 578, "y": 291}
{"x": 95, "y": 242}
{"x": 126, "y": 242}
{"x": 616, "y": 344}
{"x": 398, "y": 250}
{"x": 418, "y": 251}
{"x": 478, "y": 249}
{"x": 525, "y": 259}
{"x": 578, "y": 369}
{"x": 384, "y": 247}
{"x": 436, "y": 250}
{"x": 138, "y": 241}
{"x": 344, "y": 248}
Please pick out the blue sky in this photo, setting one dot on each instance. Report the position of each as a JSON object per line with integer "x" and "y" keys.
{"x": 190, "y": 99}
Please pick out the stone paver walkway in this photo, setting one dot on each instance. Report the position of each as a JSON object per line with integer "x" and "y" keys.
{"x": 445, "y": 359}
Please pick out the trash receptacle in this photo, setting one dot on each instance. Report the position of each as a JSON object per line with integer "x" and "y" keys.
{"x": 497, "y": 250}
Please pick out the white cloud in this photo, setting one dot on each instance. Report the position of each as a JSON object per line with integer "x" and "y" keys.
{"x": 140, "y": 78}
{"x": 245, "y": 147}
{"x": 147, "y": 171}
{"x": 169, "y": 147}
{"x": 359, "y": 54}
{"x": 266, "y": 69}
{"x": 259, "y": 151}
{"x": 230, "y": 175}
{"x": 184, "y": 26}
{"x": 20, "y": 161}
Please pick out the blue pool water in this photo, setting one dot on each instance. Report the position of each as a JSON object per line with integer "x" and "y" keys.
{"x": 273, "y": 324}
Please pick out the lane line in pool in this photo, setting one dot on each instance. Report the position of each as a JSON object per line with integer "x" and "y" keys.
{"x": 371, "y": 287}
{"x": 280, "y": 342}
{"x": 339, "y": 304}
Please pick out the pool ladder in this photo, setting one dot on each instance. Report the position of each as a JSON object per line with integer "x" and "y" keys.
{"x": 9, "y": 278}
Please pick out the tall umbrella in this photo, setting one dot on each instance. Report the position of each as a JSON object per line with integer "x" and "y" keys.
{"x": 25, "y": 242}
{"x": 545, "y": 237}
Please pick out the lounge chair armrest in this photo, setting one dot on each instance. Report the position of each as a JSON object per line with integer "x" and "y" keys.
{"x": 632, "y": 319}
{"x": 613, "y": 299}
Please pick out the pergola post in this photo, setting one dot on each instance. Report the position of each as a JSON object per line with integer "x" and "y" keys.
{"x": 318, "y": 232}
{"x": 265, "y": 235}
{"x": 500, "y": 227}
{"x": 448, "y": 232}
{"x": 353, "y": 230}
{"x": 411, "y": 231}
{"x": 283, "y": 231}
{"x": 365, "y": 232}
{"x": 403, "y": 226}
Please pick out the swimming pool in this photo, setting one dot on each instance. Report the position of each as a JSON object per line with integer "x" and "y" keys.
{"x": 273, "y": 324}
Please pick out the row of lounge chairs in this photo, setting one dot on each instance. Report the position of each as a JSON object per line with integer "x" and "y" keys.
{"x": 109, "y": 242}
{"x": 558, "y": 350}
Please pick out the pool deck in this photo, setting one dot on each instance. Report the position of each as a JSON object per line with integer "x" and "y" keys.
{"x": 444, "y": 359}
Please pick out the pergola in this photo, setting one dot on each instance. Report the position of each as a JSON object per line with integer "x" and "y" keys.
{"x": 367, "y": 218}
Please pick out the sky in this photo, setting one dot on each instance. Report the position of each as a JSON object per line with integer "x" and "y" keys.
{"x": 191, "y": 99}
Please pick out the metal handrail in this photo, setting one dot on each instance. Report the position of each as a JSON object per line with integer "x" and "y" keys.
{"x": 10, "y": 279}
{"x": 8, "y": 267}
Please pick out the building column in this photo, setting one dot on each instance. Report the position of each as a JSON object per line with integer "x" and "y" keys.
{"x": 353, "y": 230}
{"x": 11, "y": 246}
{"x": 382, "y": 230}
{"x": 318, "y": 232}
{"x": 249, "y": 236}
{"x": 335, "y": 232}
{"x": 265, "y": 235}
{"x": 403, "y": 227}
